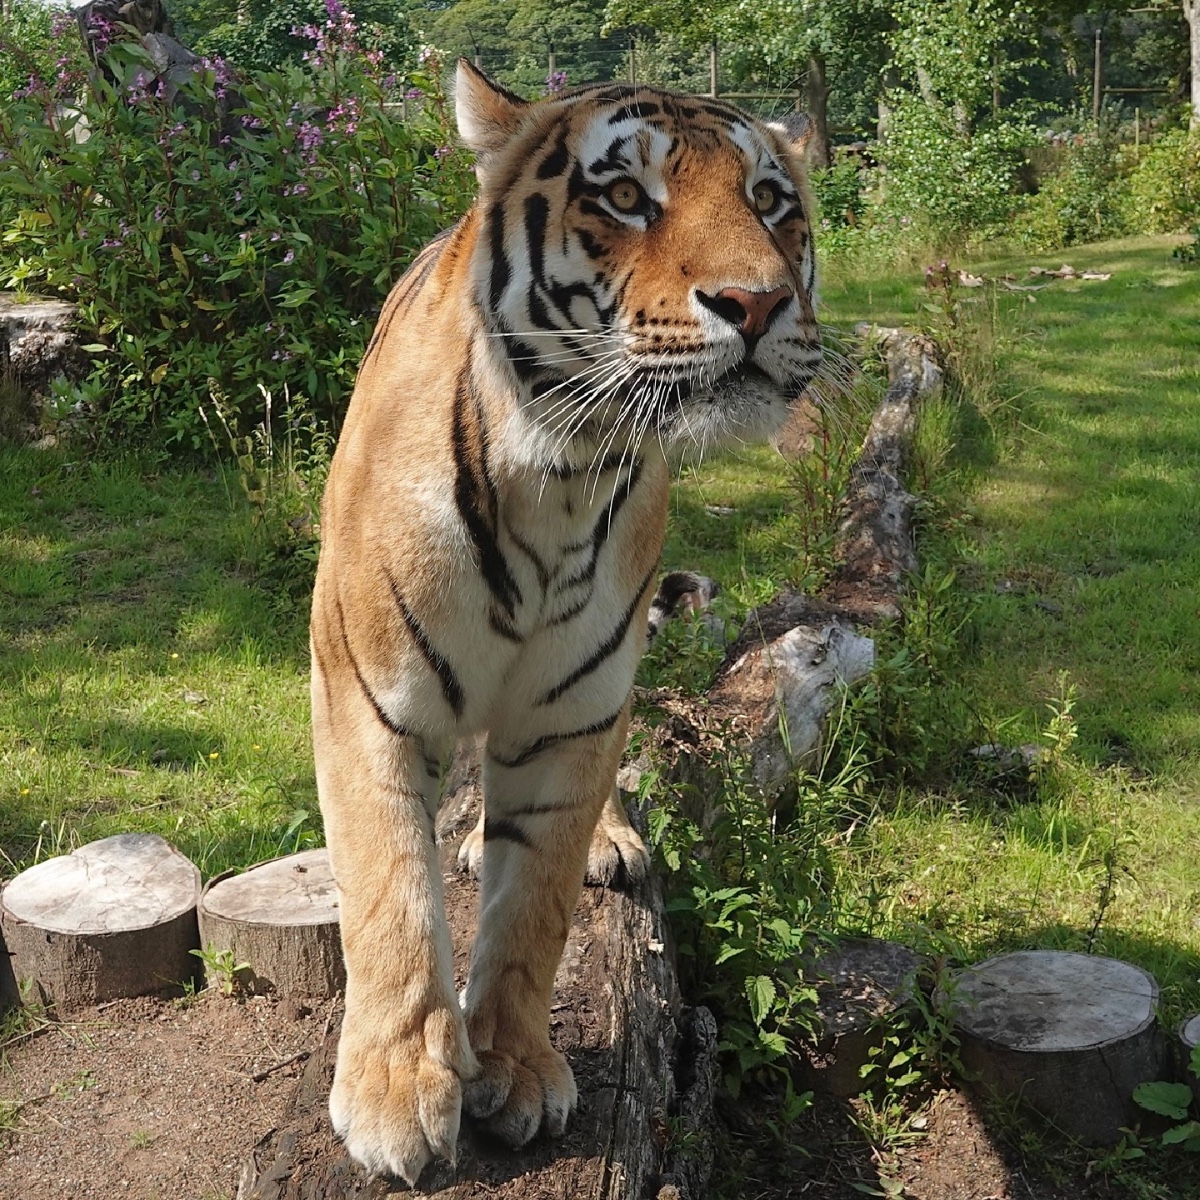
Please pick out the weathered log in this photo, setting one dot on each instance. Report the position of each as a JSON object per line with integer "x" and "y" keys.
{"x": 1189, "y": 1039}
{"x": 875, "y": 545}
{"x": 859, "y": 985}
{"x": 1070, "y": 1035}
{"x": 796, "y": 654}
{"x": 644, "y": 1067}
{"x": 115, "y": 918}
{"x": 281, "y": 919}
{"x": 38, "y": 344}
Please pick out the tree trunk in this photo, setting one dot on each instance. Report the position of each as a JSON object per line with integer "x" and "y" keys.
{"x": 644, "y": 1066}
{"x": 115, "y": 918}
{"x": 1191, "y": 14}
{"x": 1071, "y": 1035}
{"x": 816, "y": 99}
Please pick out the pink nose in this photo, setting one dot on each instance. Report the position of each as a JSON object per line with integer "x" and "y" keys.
{"x": 751, "y": 312}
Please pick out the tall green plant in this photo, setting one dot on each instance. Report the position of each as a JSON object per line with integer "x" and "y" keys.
{"x": 237, "y": 253}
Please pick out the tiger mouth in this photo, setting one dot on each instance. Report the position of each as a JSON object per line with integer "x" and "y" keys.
{"x": 741, "y": 374}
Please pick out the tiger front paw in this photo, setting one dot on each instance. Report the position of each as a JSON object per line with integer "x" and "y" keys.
{"x": 515, "y": 1097}
{"x": 397, "y": 1097}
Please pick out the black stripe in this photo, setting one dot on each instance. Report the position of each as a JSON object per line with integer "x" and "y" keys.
{"x": 500, "y": 269}
{"x": 612, "y": 159}
{"x": 603, "y": 528}
{"x": 472, "y": 497}
{"x": 643, "y": 109}
{"x": 384, "y": 719}
{"x": 539, "y": 565}
{"x": 537, "y": 213}
{"x": 507, "y": 830}
{"x": 451, "y": 688}
{"x": 556, "y": 162}
{"x": 604, "y": 651}
{"x": 504, "y": 629}
{"x": 550, "y": 740}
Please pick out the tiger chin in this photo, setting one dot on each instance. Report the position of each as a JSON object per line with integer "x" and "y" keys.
{"x": 637, "y": 273}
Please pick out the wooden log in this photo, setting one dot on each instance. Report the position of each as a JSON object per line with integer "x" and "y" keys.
{"x": 643, "y": 1064}
{"x": 115, "y": 918}
{"x": 38, "y": 344}
{"x": 1189, "y": 1039}
{"x": 1070, "y": 1035}
{"x": 859, "y": 984}
{"x": 281, "y": 918}
{"x": 796, "y": 654}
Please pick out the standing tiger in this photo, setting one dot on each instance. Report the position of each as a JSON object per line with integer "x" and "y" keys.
{"x": 637, "y": 271}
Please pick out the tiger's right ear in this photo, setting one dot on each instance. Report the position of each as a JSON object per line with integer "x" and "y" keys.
{"x": 488, "y": 115}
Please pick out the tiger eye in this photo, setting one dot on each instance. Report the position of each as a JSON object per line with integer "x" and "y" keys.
{"x": 765, "y": 197}
{"x": 625, "y": 195}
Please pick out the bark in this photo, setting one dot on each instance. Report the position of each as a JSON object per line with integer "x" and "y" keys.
{"x": 1189, "y": 1039}
{"x": 816, "y": 100}
{"x": 115, "y": 918}
{"x": 1071, "y": 1035}
{"x": 1191, "y": 14}
{"x": 281, "y": 919}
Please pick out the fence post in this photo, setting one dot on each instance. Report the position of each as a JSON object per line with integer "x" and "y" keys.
{"x": 1096, "y": 82}
{"x": 632, "y": 59}
{"x": 551, "y": 61}
{"x": 712, "y": 69}
{"x": 1137, "y": 134}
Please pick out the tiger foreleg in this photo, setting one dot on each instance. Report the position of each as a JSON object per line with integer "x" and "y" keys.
{"x": 616, "y": 850}
{"x": 540, "y": 819}
{"x": 403, "y": 1056}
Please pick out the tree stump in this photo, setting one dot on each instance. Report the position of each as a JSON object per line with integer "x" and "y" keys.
{"x": 644, "y": 1066}
{"x": 1189, "y": 1039}
{"x": 860, "y": 984}
{"x": 280, "y": 917}
{"x": 1071, "y": 1035}
{"x": 38, "y": 343}
{"x": 115, "y": 918}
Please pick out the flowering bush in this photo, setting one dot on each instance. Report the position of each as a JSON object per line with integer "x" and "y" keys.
{"x": 241, "y": 236}
{"x": 1164, "y": 188}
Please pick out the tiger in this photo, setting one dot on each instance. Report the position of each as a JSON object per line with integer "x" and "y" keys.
{"x": 635, "y": 274}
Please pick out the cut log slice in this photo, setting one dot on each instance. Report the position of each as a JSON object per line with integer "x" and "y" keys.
{"x": 1189, "y": 1039}
{"x": 1071, "y": 1035}
{"x": 115, "y": 918}
{"x": 859, "y": 984}
{"x": 281, "y": 919}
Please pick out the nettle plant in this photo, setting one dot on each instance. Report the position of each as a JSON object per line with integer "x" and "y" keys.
{"x": 240, "y": 235}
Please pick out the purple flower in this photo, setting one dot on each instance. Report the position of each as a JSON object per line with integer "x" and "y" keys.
{"x": 413, "y": 93}
{"x": 111, "y": 244}
{"x": 335, "y": 9}
{"x": 443, "y": 152}
{"x": 290, "y": 256}
{"x": 555, "y": 82}
{"x": 196, "y": 175}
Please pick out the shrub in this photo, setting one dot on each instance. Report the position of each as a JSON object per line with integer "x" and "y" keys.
{"x": 1164, "y": 189}
{"x": 1083, "y": 201}
{"x": 226, "y": 256}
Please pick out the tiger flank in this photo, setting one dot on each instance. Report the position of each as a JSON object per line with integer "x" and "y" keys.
{"x": 637, "y": 272}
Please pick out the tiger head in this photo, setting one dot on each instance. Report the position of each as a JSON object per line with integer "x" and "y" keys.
{"x": 644, "y": 263}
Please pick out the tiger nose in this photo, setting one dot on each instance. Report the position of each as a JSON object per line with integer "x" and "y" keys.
{"x": 751, "y": 312}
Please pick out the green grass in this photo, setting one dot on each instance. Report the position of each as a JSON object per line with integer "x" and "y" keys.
{"x": 147, "y": 682}
{"x": 1078, "y": 554}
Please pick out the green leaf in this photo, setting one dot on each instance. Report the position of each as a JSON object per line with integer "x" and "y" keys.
{"x": 760, "y": 991}
{"x": 1181, "y": 1133}
{"x": 1167, "y": 1099}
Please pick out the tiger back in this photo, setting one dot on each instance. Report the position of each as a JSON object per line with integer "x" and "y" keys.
{"x": 636, "y": 272}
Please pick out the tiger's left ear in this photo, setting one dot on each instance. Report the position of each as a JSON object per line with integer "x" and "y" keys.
{"x": 797, "y": 131}
{"x": 488, "y": 115}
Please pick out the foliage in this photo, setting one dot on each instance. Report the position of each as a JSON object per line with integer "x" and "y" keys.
{"x": 750, "y": 893}
{"x": 1085, "y": 199}
{"x": 950, "y": 156}
{"x": 221, "y": 968}
{"x": 253, "y": 251}
{"x": 30, "y": 37}
{"x": 839, "y": 191}
{"x": 263, "y": 35}
{"x": 1164, "y": 188}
